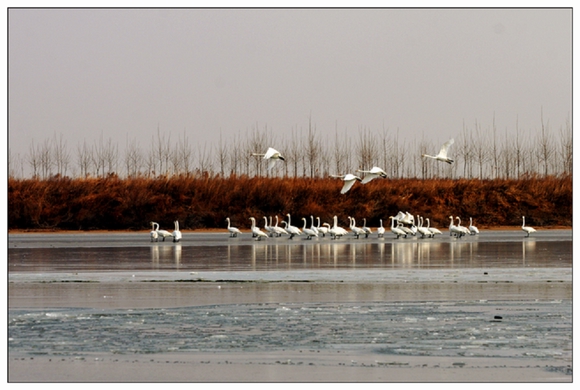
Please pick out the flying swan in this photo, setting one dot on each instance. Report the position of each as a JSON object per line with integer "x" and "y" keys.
{"x": 272, "y": 155}
{"x": 349, "y": 180}
{"x": 442, "y": 156}
{"x": 372, "y": 174}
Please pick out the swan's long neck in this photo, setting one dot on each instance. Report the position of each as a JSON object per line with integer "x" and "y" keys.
{"x": 335, "y": 222}
{"x": 451, "y": 224}
{"x": 289, "y": 220}
{"x": 318, "y": 219}
{"x": 524, "y": 221}
{"x": 304, "y": 219}
{"x": 428, "y": 223}
{"x": 381, "y": 223}
{"x": 227, "y": 219}
{"x": 459, "y": 219}
{"x": 276, "y": 221}
{"x": 265, "y": 221}
{"x": 177, "y": 225}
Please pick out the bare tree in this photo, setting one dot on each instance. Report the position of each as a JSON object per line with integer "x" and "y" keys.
{"x": 480, "y": 149}
{"x": 366, "y": 149}
{"x": 133, "y": 159}
{"x": 204, "y": 160}
{"x": 84, "y": 158}
{"x": 110, "y": 157}
{"x": 222, "y": 155}
{"x": 545, "y": 151}
{"x": 293, "y": 154}
{"x": 33, "y": 159}
{"x": 162, "y": 151}
{"x": 313, "y": 150}
{"x": 61, "y": 155}
{"x": 566, "y": 148}
{"x": 465, "y": 152}
{"x": 46, "y": 159}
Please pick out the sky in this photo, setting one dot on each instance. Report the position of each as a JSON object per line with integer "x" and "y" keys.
{"x": 125, "y": 73}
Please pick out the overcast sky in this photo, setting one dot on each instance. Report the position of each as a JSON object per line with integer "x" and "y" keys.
{"x": 425, "y": 72}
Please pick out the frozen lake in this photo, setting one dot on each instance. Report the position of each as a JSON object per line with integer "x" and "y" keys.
{"x": 493, "y": 296}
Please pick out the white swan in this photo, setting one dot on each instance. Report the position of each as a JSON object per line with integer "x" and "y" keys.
{"x": 432, "y": 229}
{"x": 309, "y": 232}
{"x": 442, "y": 156}
{"x": 527, "y": 229}
{"x": 268, "y": 228}
{"x": 314, "y": 228}
{"x": 372, "y": 174}
{"x": 292, "y": 230}
{"x": 423, "y": 230}
{"x": 366, "y": 229}
{"x": 176, "y": 233}
{"x": 278, "y": 230}
{"x": 349, "y": 180}
{"x": 234, "y": 231}
{"x": 472, "y": 229}
{"x": 153, "y": 233}
{"x": 398, "y": 232}
{"x": 381, "y": 229}
{"x": 465, "y": 230}
{"x": 454, "y": 229}
{"x": 272, "y": 155}
{"x": 259, "y": 234}
{"x": 336, "y": 231}
{"x": 354, "y": 229}
{"x": 162, "y": 233}
{"x": 322, "y": 229}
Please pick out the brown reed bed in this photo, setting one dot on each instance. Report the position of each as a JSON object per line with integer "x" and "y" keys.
{"x": 113, "y": 203}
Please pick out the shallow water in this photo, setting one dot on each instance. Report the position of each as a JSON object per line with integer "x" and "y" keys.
{"x": 218, "y": 252}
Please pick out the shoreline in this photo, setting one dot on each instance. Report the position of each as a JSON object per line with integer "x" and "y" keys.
{"x": 224, "y": 230}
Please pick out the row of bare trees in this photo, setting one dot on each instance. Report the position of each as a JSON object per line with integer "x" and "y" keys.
{"x": 478, "y": 153}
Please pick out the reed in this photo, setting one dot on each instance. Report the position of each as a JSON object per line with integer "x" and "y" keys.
{"x": 114, "y": 203}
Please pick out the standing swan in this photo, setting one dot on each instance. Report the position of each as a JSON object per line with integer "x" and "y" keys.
{"x": 336, "y": 230}
{"x": 527, "y": 229}
{"x": 472, "y": 229}
{"x": 381, "y": 230}
{"x": 272, "y": 155}
{"x": 309, "y": 232}
{"x": 176, "y": 233}
{"x": 234, "y": 231}
{"x": 349, "y": 180}
{"x": 292, "y": 230}
{"x": 257, "y": 231}
{"x": 442, "y": 156}
{"x": 153, "y": 233}
{"x": 454, "y": 229}
{"x": 398, "y": 232}
{"x": 161, "y": 233}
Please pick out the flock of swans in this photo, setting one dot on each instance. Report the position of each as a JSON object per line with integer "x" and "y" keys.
{"x": 272, "y": 155}
{"x": 402, "y": 225}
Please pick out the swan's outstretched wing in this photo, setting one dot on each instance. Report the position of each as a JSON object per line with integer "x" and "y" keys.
{"x": 445, "y": 147}
{"x": 271, "y": 153}
{"x": 348, "y": 183}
